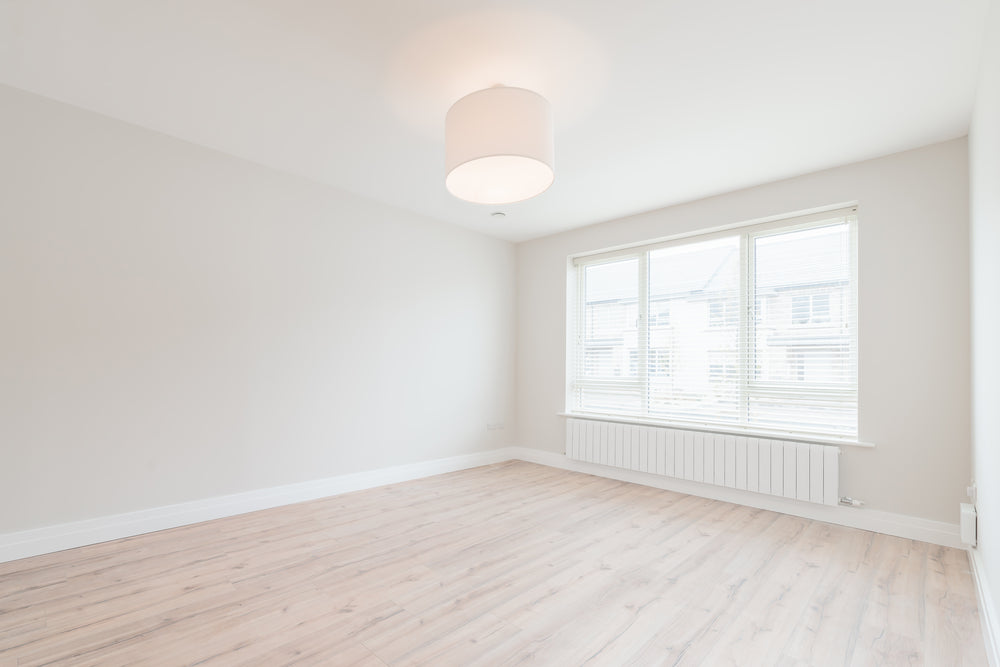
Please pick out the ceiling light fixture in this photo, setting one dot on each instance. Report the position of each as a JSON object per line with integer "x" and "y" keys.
{"x": 498, "y": 146}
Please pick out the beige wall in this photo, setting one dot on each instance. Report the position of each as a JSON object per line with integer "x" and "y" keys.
{"x": 984, "y": 154}
{"x": 914, "y": 317}
{"x": 177, "y": 324}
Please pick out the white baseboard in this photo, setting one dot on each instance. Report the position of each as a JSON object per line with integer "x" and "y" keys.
{"x": 900, "y": 525}
{"x": 987, "y": 608}
{"x": 102, "y": 529}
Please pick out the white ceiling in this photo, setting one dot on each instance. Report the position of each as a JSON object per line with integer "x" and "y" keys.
{"x": 655, "y": 101}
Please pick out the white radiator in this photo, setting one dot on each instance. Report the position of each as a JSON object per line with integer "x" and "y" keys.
{"x": 776, "y": 467}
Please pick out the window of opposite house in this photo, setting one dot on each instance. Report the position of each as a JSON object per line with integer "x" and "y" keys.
{"x": 754, "y": 328}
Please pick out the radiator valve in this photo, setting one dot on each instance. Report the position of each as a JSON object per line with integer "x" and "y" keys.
{"x": 851, "y": 502}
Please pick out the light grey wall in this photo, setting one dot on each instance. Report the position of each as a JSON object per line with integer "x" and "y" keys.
{"x": 984, "y": 157}
{"x": 914, "y": 317}
{"x": 177, "y": 324}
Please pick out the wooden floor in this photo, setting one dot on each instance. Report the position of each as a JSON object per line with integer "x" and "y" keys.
{"x": 507, "y": 564}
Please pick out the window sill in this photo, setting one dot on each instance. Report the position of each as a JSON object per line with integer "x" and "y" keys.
{"x": 750, "y": 433}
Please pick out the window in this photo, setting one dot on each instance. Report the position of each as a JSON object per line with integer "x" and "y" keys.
{"x": 721, "y": 366}
{"x": 659, "y": 314}
{"x": 723, "y": 313}
{"x": 752, "y": 329}
{"x": 659, "y": 361}
{"x": 811, "y": 308}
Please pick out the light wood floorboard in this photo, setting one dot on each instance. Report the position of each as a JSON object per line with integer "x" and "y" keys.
{"x": 507, "y": 564}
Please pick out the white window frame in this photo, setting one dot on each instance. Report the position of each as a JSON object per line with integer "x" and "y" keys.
{"x": 748, "y": 233}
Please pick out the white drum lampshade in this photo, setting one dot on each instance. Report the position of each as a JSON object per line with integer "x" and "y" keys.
{"x": 498, "y": 146}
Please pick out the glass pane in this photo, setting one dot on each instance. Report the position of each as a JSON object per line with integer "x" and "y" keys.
{"x": 802, "y": 332}
{"x": 821, "y": 307}
{"x": 693, "y": 355}
{"x": 609, "y": 368}
{"x": 800, "y": 308}
{"x": 802, "y": 371}
{"x": 611, "y": 311}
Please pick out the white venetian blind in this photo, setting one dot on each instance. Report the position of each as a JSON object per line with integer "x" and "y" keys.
{"x": 803, "y": 372}
{"x": 754, "y": 328}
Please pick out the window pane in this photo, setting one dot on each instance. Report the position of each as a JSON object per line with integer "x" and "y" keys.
{"x": 803, "y": 277}
{"x": 609, "y": 368}
{"x": 802, "y": 370}
{"x": 693, "y": 361}
{"x": 821, "y": 307}
{"x": 800, "y": 308}
{"x": 611, "y": 294}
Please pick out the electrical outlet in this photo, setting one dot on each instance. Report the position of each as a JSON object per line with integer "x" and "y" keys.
{"x": 496, "y": 426}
